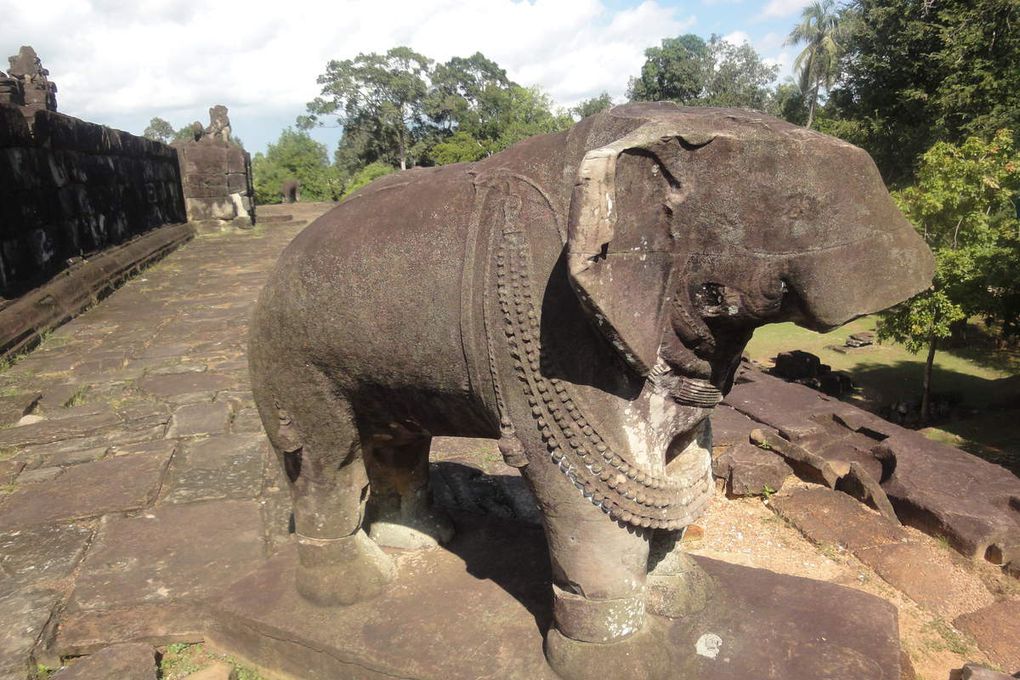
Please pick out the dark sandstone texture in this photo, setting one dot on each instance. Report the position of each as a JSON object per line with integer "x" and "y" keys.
{"x": 74, "y": 188}
{"x": 584, "y": 298}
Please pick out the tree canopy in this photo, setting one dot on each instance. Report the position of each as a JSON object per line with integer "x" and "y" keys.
{"x": 403, "y": 109}
{"x": 916, "y": 73}
{"x": 695, "y": 72}
{"x": 963, "y": 206}
{"x": 295, "y": 155}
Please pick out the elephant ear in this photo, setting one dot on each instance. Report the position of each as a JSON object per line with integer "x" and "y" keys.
{"x": 620, "y": 247}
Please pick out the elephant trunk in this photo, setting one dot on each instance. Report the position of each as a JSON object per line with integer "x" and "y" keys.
{"x": 832, "y": 286}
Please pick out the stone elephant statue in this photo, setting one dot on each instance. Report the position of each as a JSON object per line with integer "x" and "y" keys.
{"x": 584, "y": 297}
{"x": 290, "y": 190}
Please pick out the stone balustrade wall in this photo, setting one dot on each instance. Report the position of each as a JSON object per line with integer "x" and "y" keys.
{"x": 69, "y": 188}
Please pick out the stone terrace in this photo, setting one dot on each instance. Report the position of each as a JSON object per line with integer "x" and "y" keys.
{"x": 136, "y": 477}
{"x": 136, "y": 484}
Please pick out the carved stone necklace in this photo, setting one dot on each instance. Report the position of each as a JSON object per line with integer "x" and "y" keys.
{"x": 623, "y": 490}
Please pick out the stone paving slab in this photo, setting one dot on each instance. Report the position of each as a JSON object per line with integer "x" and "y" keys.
{"x": 25, "y": 615}
{"x": 85, "y": 632}
{"x": 171, "y": 553}
{"x": 997, "y": 631}
{"x": 131, "y": 661}
{"x": 934, "y": 577}
{"x": 87, "y": 490}
{"x": 226, "y": 466}
{"x": 39, "y": 555}
{"x": 936, "y": 488}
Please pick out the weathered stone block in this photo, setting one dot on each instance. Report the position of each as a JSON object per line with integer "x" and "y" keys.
{"x": 751, "y": 471}
{"x": 210, "y": 208}
{"x": 131, "y": 661}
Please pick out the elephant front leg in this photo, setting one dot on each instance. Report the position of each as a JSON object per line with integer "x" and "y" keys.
{"x": 676, "y": 586}
{"x": 600, "y": 627}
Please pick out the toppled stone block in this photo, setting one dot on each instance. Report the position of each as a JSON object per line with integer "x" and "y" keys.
{"x": 131, "y": 661}
{"x": 862, "y": 339}
{"x": 751, "y": 471}
{"x": 797, "y": 365}
{"x": 973, "y": 671}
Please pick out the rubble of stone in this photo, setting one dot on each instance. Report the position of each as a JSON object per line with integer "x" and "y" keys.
{"x": 807, "y": 369}
{"x": 216, "y": 175}
{"x": 27, "y": 84}
{"x": 941, "y": 490}
{"x": 71, "y": 188}
{"x": 862, "y": 339}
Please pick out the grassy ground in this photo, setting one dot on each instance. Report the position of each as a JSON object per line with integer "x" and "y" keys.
{"x": 987, "y": 382}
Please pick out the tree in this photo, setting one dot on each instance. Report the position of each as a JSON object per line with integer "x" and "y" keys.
{"x": 367, "y": 175}
{"x": 159, "y": 130}
{"x": 738, "y": 77}
{"x": 460, "y": 147}
{"x": 693, "y": 72}
{"x": 963, "y": 205}
{"x": 295, "y": 155}
{"x": 818, "y": 63}
{"x": 674, "y": 71}
{"x": 915, "y": 73}
{"x": 386, "y": 92}
{"x": 525, "y": 112}
{"x": 787, "y": 101}
{"x": 589, "y": 107}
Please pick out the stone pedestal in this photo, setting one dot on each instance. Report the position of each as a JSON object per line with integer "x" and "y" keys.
{"x": 479, "y": 610}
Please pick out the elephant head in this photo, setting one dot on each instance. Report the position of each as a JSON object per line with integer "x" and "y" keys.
{"x": 700, "y": 225}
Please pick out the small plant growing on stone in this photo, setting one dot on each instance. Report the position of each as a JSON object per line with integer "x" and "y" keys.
{"x": 78, "y": 398}
{"x": 767, "y": 492}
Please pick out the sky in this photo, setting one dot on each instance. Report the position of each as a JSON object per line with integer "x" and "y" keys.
{"x": 121, "y": 62}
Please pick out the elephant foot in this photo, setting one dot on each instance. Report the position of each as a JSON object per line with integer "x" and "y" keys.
{"x": 641, "y": 655}
{"x": 427, "y": 528}
{"x": 342, "y": 571}
{"x": 676, "y": 586}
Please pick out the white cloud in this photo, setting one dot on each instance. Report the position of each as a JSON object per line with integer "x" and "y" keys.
{"x": 737, "y": 38}
{"x": 123, "y": 61}
{"x": 783, "y": 8}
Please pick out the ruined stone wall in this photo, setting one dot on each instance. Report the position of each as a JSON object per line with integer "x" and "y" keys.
{"x": 216, "y": 178}
{"x": 69, "y": 188}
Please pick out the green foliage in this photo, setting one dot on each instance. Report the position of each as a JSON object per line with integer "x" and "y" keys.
{"x": 525, "y": 112}
{"x": 402, "y": 109}
{"x": 691, "y": 71}
{"x": 295, "y": 155}
{"x": 589, "y": 107}
{"x": 460, "y": 147}
{"x": 381, "y": 94}
{"x": 789, "y": 103}
{"x": 817, "y": 65}
{"x": 673, "y": 71}
{"x": 159, "y": 130}
{"x": 366, "y": 175}
{"x": 963, "y": 205}
{"x": 915, "y": 73}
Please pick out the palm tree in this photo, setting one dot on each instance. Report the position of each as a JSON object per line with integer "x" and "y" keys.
{"x": 818, "y": 63}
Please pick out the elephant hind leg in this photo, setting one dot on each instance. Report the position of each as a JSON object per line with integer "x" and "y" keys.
{"x": 314, "y": 434}
{"x": 400, "y": 512}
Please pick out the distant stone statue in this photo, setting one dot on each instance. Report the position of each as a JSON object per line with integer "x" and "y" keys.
{"x": 219, "y": 123}
{"x": 37, "y": 93}
{"x": 291, "y": 191}
{"x": 584, "y": 298}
